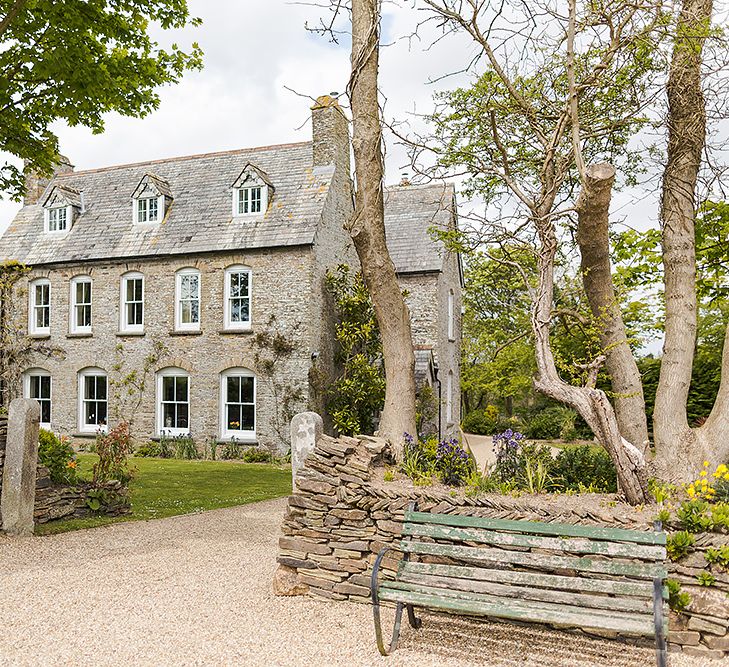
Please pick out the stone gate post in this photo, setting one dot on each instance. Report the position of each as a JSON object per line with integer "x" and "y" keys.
{"x": 21, "y": 461}
{"x": 306, "y": 427}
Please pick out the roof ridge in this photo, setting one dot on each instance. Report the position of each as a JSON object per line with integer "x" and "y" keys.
{"x": 422, "y": 186}
{"x": 178, "y": 158}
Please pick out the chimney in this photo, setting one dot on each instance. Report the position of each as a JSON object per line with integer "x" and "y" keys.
{"x": 35, "y": 184}
{"x": 330, "y": 130}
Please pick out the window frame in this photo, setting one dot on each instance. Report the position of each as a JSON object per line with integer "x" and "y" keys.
{"x": 27, "y": 381}
{"x": 451, "y": 315}
{"x": 124, "y": 326}
{"x": 240, "y": 435}
{"x": 47, "y": 219}
{"x": 169, "y": 431}
{"x": 237, "y": 195}
{"x": 83, "y": 374}
{"x": 449, "y": 398}
{"x": 33, "y": 306}
{"x": 228, "y": 324}
{"x": 179, "y": 324}
{"x": 160, "y": 199}
{"x": 74, "y": 326}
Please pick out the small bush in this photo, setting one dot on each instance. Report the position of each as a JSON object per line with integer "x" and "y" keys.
{"x": 718, "y": 556}
{"x": 549, "y": 424}
{"x": 679, "y": 544}
{"x": 257, "y": 455}
{"x": 147, "y": 450}
{"x": 695, "y": 516}
{"x": 677, "y": 599}
{"x": 452, "y": 462}
{"x": 185, "y": 447}
{"x": 705, "y": 578}
{"x": 58, "y": 456}
{"x": 113, "y": 449}
{"x": 232, "y": 450}
{"x": 482, "y": 422}
{"x": 446, "y": 460}
{"x": 587, "y": 466}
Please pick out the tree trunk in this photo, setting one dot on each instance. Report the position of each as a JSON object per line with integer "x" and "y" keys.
{"x": 367, "y": 229}
{"x": 591, "y": 403}
{"x": 679, "y": 449}
{"x": 593, "y": 207}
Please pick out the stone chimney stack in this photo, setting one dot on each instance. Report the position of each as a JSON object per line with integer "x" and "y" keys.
{"x": 330, "y": 134}
{"x": 35, "y": 184}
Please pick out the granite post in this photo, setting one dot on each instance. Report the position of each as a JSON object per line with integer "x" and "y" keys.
{"x": 306, "y": 428}
{"x": 17, "y": 501}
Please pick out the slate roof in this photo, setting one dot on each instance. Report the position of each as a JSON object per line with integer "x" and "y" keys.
{"x": 410, "y": 211}
{"x": 199, "y": 218}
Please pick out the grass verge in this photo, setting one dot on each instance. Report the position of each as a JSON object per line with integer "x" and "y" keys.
{"x": 169, "y": 487}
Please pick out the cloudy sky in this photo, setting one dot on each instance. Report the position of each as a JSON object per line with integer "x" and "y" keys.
{"x": 254, "y": 51}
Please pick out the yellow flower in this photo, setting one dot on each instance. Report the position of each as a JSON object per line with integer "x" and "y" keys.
{"x": 706, "y": 464}
{"x": 703, "y": 473}
{"x": 691, "y": 491}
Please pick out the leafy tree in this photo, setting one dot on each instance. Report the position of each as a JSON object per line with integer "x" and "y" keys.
{"x": 74, "y": 61}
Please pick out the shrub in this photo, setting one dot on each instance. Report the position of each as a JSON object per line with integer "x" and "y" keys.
{"x": 549, "y": 424}
{"x": 185, "y": 447}
{"x": 695, "y": 516}
{"x": 677, "y": 599}
{"x": 113, "y": 448}
{"x": 424, "y": 459}
{"x": 482, "y": 422}
{"x": 587, "y": 466}
{"x": 452, "y": 462}
{"x": 679, "y": 544}
{"x": 720, "y": 516}
{"x": 705, "y": 578}
{"x": 718, "y": 556}
{"x": 147, "y": 450}
{"x": 257, "y": 455}
{"x": 232, "y": 450}
{"x": 58, "y": 456}
{"x": 507, "y": 448}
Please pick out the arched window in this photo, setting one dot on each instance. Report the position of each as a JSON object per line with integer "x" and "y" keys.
{"x": 238, "y": 297}
{"x": 39, "y": 307}
{"x": 173, "y": 402}
{"x": 37, "y": 384}
{"x": 93, "y": 400}
{"x": 187, "y": 300}
{"x": 80, "y": 310}
{"x": 132, "y": 303}
{"x": 238, "y": 404}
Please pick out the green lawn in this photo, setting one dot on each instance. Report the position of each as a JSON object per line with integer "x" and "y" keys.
{"x": 168, "y": 487}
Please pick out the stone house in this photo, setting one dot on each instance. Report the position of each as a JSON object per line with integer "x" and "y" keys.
{"x": 188, "y": 294}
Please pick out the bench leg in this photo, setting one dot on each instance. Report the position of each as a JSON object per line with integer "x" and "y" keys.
{"x": 395, "y": 631}
{"x": 414, "y": 621}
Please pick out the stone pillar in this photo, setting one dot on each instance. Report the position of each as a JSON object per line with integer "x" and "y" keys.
{"x": 21, "y": 461}
{"x": 306, "y": 427}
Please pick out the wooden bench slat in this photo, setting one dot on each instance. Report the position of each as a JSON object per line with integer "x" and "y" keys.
{"x": 525, "y": 593}
{"x": 553, "y": 581}
{"x": 572, "y": 545}
{"x": 537, "y": 560}
{"x": 575, "y": 617}
{"x": 538, "y": 528}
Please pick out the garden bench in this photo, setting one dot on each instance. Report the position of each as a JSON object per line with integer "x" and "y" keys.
{"x": 558, "y": 574}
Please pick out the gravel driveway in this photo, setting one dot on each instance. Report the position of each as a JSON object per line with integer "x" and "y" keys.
{"x": 196, "y": 590}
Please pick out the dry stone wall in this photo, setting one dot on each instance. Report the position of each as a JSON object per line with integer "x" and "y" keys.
{"x": 55, "y": 501}
{"x": 341, "y": 514}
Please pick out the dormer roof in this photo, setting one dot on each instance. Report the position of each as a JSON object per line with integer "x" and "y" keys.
{"x": 252, "y": 175}
{"x": 61, "y": 195}
{"x": 151, "y": 184}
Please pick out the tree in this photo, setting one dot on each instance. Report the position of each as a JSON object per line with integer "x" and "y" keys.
{"x": 524, "y": 133}
{"x": 75, "y": 61}
{"x": 367, "y": 228}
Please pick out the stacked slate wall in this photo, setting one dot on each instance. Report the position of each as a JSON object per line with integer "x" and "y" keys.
{"x": 342, "y": 513}
{"x": 55, "y": 501}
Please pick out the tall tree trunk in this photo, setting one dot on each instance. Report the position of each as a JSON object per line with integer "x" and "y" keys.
{"x": 367, "y": 228}
{"x": 593, "y": 206}
{"x": 680, "y": 450}
{"x": 590, "y": 402}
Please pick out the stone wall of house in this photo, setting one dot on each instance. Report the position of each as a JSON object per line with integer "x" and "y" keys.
{"x": 342, "y": 513}
{"x": 54, "y": 501}
{"x": 279, "y": 285}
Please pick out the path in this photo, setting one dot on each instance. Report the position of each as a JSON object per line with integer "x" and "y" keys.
{"x": 196, "y": 590}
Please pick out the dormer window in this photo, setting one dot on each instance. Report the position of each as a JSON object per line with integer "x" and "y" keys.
{"x": 147, "y": 209}
{"x": 59, "y": 208}
{"x": 58, "y": 219}
{"x": 151, "y": 199}
{"x": 252, "y": 192}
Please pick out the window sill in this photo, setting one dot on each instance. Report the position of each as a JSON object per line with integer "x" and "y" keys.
{"x": 40, "y": 336}
{"x": 86, "y": 435}
{"x": 127, "y": 334}
{"x": 183, "y": 332}
{"x": 234, "y": 332}
{"x": 80, "y": 335}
